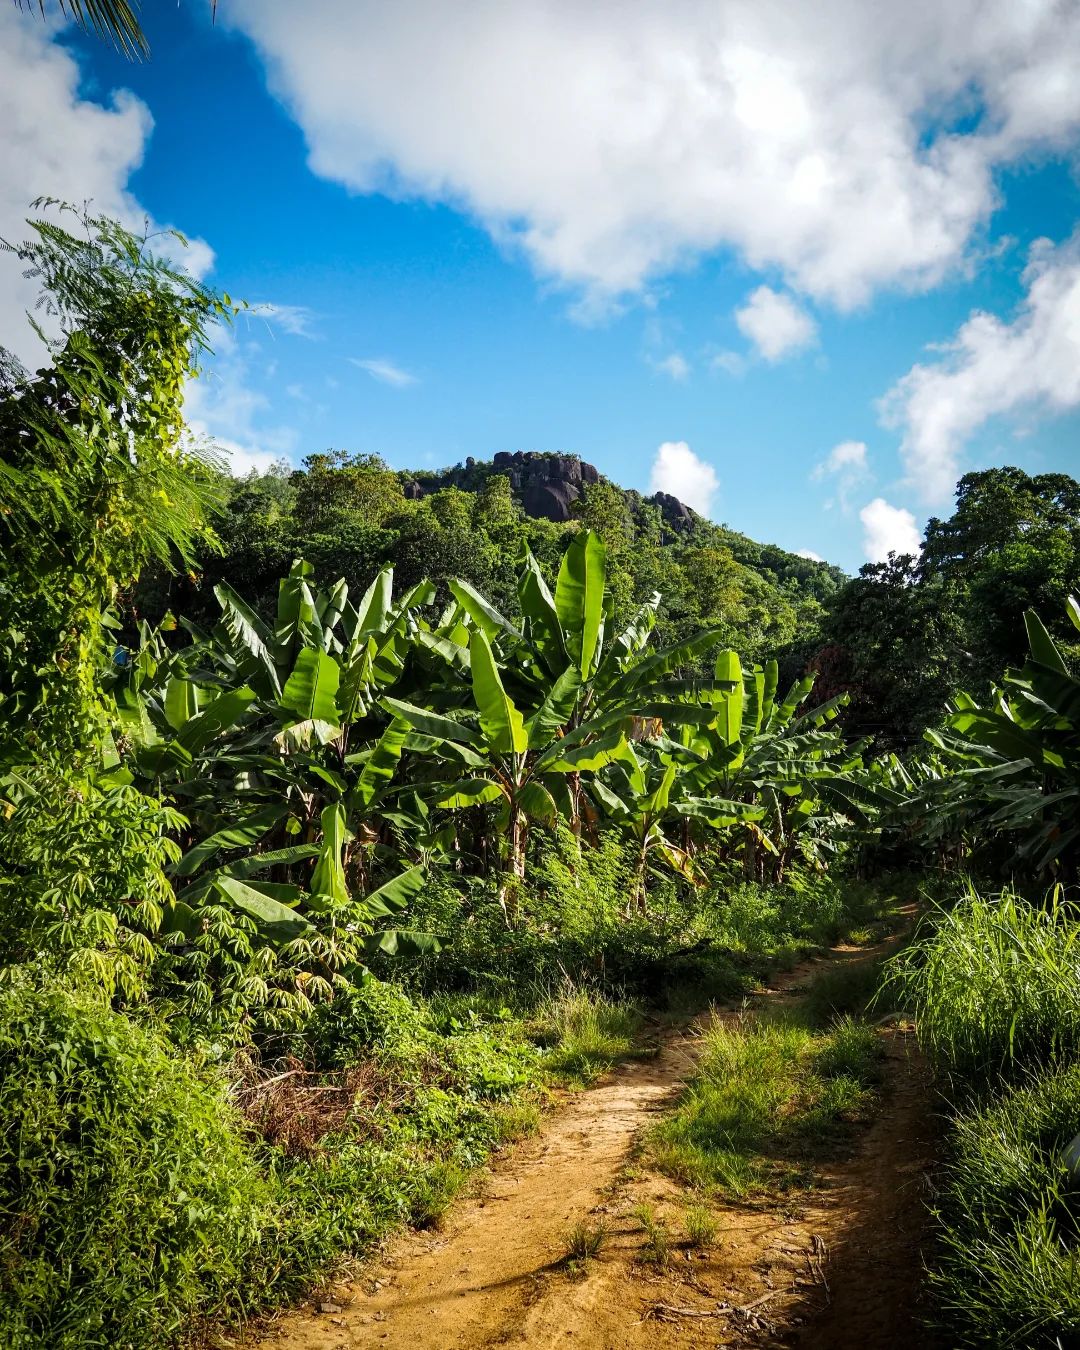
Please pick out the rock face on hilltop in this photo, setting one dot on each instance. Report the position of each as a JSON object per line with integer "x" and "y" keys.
{"x": 546, "y": 485}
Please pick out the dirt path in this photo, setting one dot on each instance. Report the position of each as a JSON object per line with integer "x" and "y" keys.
{"x": 836, "y": 1268}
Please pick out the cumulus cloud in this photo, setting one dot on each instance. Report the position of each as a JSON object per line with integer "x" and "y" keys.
{"x": 990, "y": 368}
{"x": 224, "y": 408}
{"x": 809, "y": 555}
{"x": 294, "y": 319}
{"x": 775, "y": 324}
{"x": 676, "y": 469}
{"x": 57, "y": 143}
{"x": 675, "y": 365}
{"x": 847, "y": 467}
{"x": 386, "y": 372}
{"x": 888, "y": 529}
{"x": 847, "y": 145}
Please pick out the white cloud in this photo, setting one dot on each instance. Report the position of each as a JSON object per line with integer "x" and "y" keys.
{"x": 848, "y": 145}
{"x": 809, "y": 555}
{"x": 294, "y": 319}
{"x": 731, "y": 363}
{"x": 386, "y": 372}
{"x": 775, "y": 324}
{"x": 676, "y": 365}
{"x": 224, "y": 407}
{"x": 989, "y": 368}
{"x": 888, "y": 529}
{"x": 846, "y": 465}
{"x": 677, "y": 470}
{"x": 58, "y": 143}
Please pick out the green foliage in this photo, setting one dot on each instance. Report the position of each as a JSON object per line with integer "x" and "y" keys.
{"x": 130, "y": 1204}
{"x": 1008, "y": 772}
{"x": 82, "y": 878}
{"x": 96, "y": 477}
{"x": 995, "y": 983}
{"x": 1007, "y": 1270}
{"x": 767, "y": 1094}
{"x": 908, "y": 634}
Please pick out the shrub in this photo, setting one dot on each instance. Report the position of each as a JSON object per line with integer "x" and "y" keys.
{"x": 995, "y": 982}
{"x": 129, "y": 1200}
{"x": 1008, "y": 1269}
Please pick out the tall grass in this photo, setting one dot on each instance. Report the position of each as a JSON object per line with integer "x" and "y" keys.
{"x": 768, "y": 1094}
{"x": 995, "y": 982}
{"x": 1008, "y": 1268}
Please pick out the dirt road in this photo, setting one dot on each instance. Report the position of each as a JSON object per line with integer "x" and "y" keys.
{"x": 837, "y": 1266}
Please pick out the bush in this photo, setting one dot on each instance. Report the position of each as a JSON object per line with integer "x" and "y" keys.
{"x": 129, "y": 1200}
{"x": 1008, "y": 1273}
{"x": 995, "y": 982}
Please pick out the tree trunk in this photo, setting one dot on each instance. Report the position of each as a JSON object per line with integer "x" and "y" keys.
{"x": 513, "y": 863}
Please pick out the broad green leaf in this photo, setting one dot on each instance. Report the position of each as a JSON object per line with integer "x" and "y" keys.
{"x": 221, "y": 714}
{"x": 502, "y": 723}
{"x": 469, "y": 792}
{"x": 487, "y": 619}
{"x": 277, "y": 919}
{"x": 1042, "y": 644}
{"x": 556, "y": 709}
{"x": 431, "y": 724}
{"x": 537, "y": 802}
{"x": 241, "y": 835}
{"x": 396, "y": 894}
{"x": 381, "y": 764}
{"x": 252, "y": 644}
{"x": 310, "y": 694}
{"x": 402, "y": 942}
{"x": 328, "y": 877}
{"x": 583, "y": 758}
{"x": 181, "y": 701}
{"x": 539, "y": 612}
{"x": 579, "y": 597}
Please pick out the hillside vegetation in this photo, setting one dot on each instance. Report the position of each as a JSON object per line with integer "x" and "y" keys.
{"x": 340, "y": 821}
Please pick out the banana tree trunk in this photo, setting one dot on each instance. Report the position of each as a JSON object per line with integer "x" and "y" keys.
{"x": 513, "y": 872}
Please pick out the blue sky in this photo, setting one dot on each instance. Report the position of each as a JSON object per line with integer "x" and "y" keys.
{"x": 802, "y": 258}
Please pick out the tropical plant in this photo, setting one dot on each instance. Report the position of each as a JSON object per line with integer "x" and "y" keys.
{"x": 1009, "y": 768}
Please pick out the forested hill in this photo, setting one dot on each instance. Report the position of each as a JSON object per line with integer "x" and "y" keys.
{"x": 350, "y": 514}
{"x": 903, "y": 637}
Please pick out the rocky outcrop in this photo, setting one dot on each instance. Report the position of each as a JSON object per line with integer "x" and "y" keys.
{"x": 676, "y": 514}
{"x": 546, "y": 485}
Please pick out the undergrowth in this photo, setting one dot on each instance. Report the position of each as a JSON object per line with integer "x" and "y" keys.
{"x": 769, "y": 1095}
{"x": 994, "y": 982}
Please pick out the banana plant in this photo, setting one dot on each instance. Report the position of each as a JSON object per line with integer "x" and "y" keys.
{"x": 651, "y": 787}
{"x": 796, "y": 766}
{"x": 1013, "y": 764}
{"x": 255, "y": 727}
{"x": 515, "y": 759}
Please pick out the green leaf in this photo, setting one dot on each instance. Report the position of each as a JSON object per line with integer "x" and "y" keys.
{"x": 556, "y": 709}
{"x": 396, "y": 894}
{"x": 278, "y": 920}
{"x": 430, "y": 723}
{"x": 579, "y": 597}
{"x": 488, "y": 619}
{"x": 328, "y": 878}
{"x": 582, "y": 758}
{"x": 500, "y": 720}
{"x": 310, "y": 694}
{"x": 537, "y": 802}
{"x": 1041, "y": 643}
{"x": 381, "y": 763}
{"x": 241, "y": 835}
{"x": 540, "y": 615}
{"x": 469, "y": 792}
{"x": 181, "y": 701}
{"x": 252, "y": 644}
{"x": 219, "y": 715}
{"x": 402, "y": 942}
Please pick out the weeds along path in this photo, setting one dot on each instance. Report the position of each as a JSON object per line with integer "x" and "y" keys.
{"x": 836, "y": 1266}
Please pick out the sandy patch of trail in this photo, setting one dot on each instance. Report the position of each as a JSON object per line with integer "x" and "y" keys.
{"x": 836, "y": 1266}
